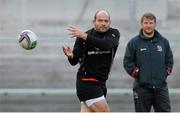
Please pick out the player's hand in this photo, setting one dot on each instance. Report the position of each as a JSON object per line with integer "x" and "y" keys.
{"x": 76, "y": 32}
{"x": 168, "y": 70}
{"x": 135, "y": 72}
{"x": 67, "y": 51}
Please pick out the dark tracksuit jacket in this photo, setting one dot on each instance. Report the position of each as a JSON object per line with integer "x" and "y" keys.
{"x": 96, "y": 54}
{"x": 154, "y": 59}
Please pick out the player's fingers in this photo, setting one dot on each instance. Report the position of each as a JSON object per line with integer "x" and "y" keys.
{"x": 72, "y": 35}
{"x": 64, "y": 51}
{"x": 72, "y": 27}
{"x": 68, "y": 47}
{"x": 71, "y": 30}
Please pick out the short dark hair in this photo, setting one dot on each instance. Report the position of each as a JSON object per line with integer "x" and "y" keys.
{"x": 95, "y": 16}
{"x": 148, "y": 16}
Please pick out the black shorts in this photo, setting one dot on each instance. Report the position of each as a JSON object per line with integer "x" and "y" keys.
{"x": 90, "y": 89}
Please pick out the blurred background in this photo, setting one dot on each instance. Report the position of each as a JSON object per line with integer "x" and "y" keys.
{"x": 42, "y": 79}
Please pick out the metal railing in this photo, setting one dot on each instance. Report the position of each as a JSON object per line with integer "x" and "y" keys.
{"x": 43, "y": 92}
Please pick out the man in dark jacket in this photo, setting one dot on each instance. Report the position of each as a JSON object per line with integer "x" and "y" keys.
{"x": 149, "y": 60}
{"x": 94, "y": 50}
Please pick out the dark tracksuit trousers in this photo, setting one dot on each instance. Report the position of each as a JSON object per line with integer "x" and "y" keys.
{"x": 145, "y": 98}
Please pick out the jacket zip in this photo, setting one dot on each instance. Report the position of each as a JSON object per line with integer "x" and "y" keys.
{"x": 151, "y": 49}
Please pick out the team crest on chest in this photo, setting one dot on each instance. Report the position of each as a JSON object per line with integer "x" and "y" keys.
{"x": 159, "y": 48}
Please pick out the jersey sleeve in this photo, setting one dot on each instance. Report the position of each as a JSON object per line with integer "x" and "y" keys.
{"x": 77, "y": 51}
{"x": 129, "y": 58}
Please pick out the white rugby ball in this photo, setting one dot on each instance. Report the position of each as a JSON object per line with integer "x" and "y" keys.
{"x": 27, "y": 39}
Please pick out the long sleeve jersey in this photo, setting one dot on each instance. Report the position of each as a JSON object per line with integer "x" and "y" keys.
{"x": 96, "y": 54}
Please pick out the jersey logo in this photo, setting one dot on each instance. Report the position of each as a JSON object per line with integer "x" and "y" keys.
{"x": 159, "y": 48}
{"x": 143, "y": 49}
{"x": 113, "y": 35}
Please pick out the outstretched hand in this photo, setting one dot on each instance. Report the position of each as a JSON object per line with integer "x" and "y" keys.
{"x": 67, "y": 51}
{"x": 76, "y": 32}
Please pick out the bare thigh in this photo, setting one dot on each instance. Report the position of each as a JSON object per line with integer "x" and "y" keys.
{"x": 85, "y": 108}
{"x": 100, "y": 106}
